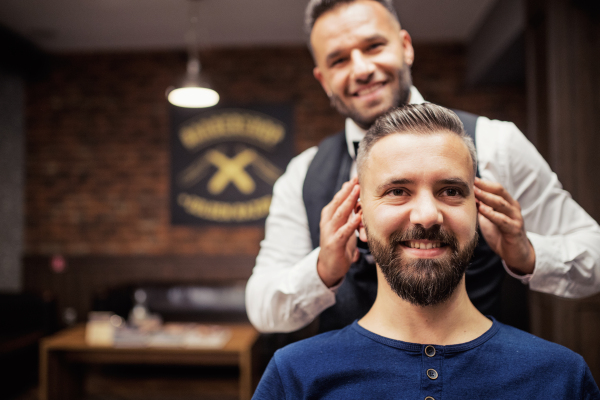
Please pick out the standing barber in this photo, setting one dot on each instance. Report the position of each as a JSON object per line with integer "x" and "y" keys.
{"x": 309, "y": 264}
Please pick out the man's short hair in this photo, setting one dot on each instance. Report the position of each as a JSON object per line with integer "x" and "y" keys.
{"x": 316, "y": 8}
{"x": 426, "y": 118}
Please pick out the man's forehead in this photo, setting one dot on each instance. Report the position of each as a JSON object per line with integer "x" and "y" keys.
{"x": 363, "y": 18}
{"x": 419, "y": 156}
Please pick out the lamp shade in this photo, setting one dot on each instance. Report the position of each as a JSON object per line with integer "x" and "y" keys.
{"x": 193, "y": 97}
{"x": 194, "y": 92}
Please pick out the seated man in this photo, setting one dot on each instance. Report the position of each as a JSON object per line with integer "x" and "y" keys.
{"x": 423, "y": 338}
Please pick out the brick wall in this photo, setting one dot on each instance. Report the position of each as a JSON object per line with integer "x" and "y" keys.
{"x": 97, "y": 163}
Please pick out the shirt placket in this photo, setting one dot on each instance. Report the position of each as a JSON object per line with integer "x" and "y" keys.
{"x": 431, "y": 372}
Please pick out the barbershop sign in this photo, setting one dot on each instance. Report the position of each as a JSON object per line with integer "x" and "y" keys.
{"x": 224, "y": 162}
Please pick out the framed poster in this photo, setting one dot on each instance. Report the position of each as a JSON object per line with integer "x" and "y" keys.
{"x": 224, "y": 162}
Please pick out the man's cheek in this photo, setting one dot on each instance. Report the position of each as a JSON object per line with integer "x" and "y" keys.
{"x": 463, "y": 222}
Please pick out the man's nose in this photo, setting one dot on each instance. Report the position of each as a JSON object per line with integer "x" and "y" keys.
{"x": 362, "y": 67}
{"x": 425, "y": 212}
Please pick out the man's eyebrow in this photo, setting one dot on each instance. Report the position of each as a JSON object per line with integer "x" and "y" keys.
{"x": 374, "y": 38}
{"x": 394, "y": 182}
{"x": 336, "y": 53}
{"x": 464, "y": 185}
{"x": 457, "y": 182}
{"x": 333, "y": 55}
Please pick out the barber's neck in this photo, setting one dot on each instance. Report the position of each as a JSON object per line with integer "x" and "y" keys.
{"x": 366, "y": 127}
{"x": 451, "y": 322}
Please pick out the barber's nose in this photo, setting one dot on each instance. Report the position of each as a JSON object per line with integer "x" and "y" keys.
{"x": 362, "y": 67}
{"x": 425, "y": 212}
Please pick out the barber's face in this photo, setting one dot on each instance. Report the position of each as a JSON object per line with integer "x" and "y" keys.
{"x": 363, "y": 60}
{"x": 419, "y": 213}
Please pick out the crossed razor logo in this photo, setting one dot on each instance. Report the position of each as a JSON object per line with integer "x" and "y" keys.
{"x": 229, "y": 170}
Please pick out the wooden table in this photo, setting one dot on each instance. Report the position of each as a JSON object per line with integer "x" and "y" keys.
{"x": 62, "y": 356}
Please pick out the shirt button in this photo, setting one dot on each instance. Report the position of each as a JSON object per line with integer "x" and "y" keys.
{"x": 432, "y": 374}
{"x": 429, "y": 398}
{"x": 430, "y": 351}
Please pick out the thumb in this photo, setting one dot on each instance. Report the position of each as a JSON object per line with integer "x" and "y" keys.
{"x": 490, "y": 232}
{"x": 356, "y": 255}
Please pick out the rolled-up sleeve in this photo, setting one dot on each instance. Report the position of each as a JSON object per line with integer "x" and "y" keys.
{"x": 565, "y": 238}
{"x": 285, "y": 292}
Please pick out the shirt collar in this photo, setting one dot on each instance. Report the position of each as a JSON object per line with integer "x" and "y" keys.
{"x": 355, "y": 133}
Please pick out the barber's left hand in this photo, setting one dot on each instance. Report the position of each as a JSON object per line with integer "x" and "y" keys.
{"x": 502, "y": 226}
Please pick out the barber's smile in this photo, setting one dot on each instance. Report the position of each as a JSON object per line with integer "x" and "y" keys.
{"x": 369, "y": 91}
{"x": 424, "y": 248}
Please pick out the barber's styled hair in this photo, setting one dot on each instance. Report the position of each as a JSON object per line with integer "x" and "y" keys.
{"x": 316, "y": 8}
{"x": 426, "y": 118}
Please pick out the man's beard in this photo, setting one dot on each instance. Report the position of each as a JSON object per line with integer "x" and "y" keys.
{"x": 425, "y": 281}
{"x": 401, "y": 97}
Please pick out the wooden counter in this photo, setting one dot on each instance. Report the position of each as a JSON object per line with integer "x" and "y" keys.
{"x": 63, "y": 354}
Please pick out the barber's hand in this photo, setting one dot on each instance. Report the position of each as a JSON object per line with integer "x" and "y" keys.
{"x": 338, "y": 241}
{"x": 502, "y": 226}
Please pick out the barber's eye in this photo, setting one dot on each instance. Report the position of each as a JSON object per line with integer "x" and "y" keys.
{"x": 397, "y": 192}
{"x": 337, "y": 61}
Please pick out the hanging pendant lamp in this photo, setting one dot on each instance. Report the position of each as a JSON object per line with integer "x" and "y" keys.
{"x": 194, "y": 92}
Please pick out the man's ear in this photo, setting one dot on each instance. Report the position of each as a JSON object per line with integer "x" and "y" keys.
{"x": 362, "y": 232}
{"x": 319, "y": 77}
{"x": 409, "y": 51}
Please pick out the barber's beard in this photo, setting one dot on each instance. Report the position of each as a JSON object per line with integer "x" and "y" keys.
{"x": 400, "y": 98}
{"x": 425, "y": 281}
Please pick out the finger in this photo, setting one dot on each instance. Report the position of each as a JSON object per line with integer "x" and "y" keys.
{"x": 498, "y": 203}
{"x": 339, "y": 197}
{"x": 504, "y": 224}
{"x": 346, "y": 231}
{"x": 495, "y": 188}
{"x": 342, "y": 213}
{"x": 330, "y": 208}
{"x": 484, "y": 223}
{"x": 490, "y": 232}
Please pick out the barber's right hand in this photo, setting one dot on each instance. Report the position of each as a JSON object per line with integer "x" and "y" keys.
{"x": 338, "y": 241}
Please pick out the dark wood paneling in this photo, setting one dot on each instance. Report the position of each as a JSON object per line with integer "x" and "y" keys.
{"x": 85, "y": 276}
{"x": 537, "y": 88}
{"x": 564, "y": 100}
{"x": 573, "y": 62}
{"x": 572, "y": 323}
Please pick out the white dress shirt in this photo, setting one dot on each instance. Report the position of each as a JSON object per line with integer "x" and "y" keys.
{"x": 285, "y": 292}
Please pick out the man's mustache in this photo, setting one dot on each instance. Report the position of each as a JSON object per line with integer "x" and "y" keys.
{"x": 418, "y": 232}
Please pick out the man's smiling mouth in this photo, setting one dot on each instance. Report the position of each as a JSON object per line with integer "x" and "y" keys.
{"x": 369, "y": 89}
{"x": 423, "y": 244}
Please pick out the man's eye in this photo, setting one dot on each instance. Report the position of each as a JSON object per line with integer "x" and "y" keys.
{"x": 374, "y": 46}
{"x": 398, "y": 192}
{"x": 452, "y": 192}
{"x": 337, "y": 61}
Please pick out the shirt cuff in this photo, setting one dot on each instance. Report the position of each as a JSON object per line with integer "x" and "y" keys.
{"x": 335, "y": 288}
{"x": 549, "y": 271}
{"x": 314, "y": 257}
{"x": 544, "y": 257}
{"x": 324, "y": 296}
{"x": 523, "y": 278}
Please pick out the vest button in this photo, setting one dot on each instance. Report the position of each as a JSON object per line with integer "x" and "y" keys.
{"x": 429, "y": 398}
{"x": 432, "y": 374}
{"x": 430, "y": 351}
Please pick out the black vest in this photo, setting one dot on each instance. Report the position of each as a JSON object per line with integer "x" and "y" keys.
{"x": 327, "y": 172}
